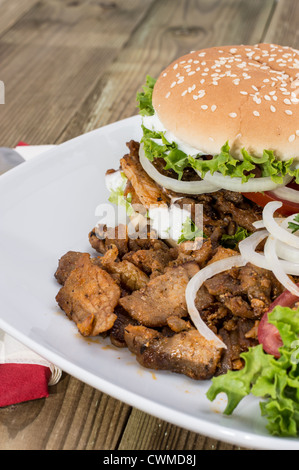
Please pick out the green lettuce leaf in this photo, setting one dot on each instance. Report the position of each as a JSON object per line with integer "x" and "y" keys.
{"x": 118, "y": 198}
{"x": 276, "y": 381}
{"x": 190, "y": 231}
{"x": 175, "y": 159}
{"x": 144, "y": 98}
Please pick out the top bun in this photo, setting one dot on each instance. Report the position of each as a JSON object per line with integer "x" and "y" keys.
{"x": 246, "y": 95}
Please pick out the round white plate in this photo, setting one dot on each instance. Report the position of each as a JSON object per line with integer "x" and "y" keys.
{"x": 47, "y": 207}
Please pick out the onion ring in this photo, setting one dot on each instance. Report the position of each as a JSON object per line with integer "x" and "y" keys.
{"x": 254, "y": 185}
{"x": 185, "y": 187}
{"x": 195, "y": 283}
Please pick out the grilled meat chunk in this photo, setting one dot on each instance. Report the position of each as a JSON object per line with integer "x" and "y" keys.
{"x": 102, "y": 238}
{"x": 128, "y": 275}
{"x": 187, "y": 352}
{"x": 152, "y": 261}
{"x": 89, "y": 297}
{"x": 163, "y": 297}
{"x": 68, "y": 262}
{"x": 147, "y": 191}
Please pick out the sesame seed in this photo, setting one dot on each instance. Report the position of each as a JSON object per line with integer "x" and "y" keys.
{"x": 292, "y": 138}
{"x": 273, "y": 109}
{"x": 287, "y": 101}
{"x": 167, "y": 95}
{"x": 184, "y": 92}
{"x": 297, "y": 132}
{"x": 191, "y": 73}
{"x": 289, "y": 112}
{"x": 233, "y": 115}
{"x": 256, "y": 113}
{"x": 173, "y": 84}
{"x": 267, "y": 97}
{"x": 213, "y": 107}
{"x": 204, "y": 106}
{"x": 243, "y": 92}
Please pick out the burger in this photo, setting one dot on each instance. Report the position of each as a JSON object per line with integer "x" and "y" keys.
{"x": 231, "y": 115}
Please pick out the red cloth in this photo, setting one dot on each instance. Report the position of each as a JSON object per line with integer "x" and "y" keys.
{"x": 23, "y": 382}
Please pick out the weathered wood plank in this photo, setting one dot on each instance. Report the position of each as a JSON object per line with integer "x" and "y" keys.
{"x": 52, "y": 58}
{"x": 74, "y": 417}
{"x": 11, "y": 12}
{"x": 145, "y": 432}
{"x": 283, "y": 27}
{"x": 170, "y": 29}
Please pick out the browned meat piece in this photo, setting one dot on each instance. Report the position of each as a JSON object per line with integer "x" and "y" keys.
{"x": 259, "y": 284}
{"x": 238, "y": 306}
{"x": 152, "y": 261}
{"x": 117, "y": 333}
{"x": 163, "y": 297}
{"x": 89, "y": 297}
{"x": 129, "y": 275}
{"x": 222, "y": 253}
{"x": 102, "y": 237}
{"x": 187, "y": 252}
{"x": 243, "y": 216}
{"x": 186, "y": 352}
{"x": 245, "y": 292}
{"x": 147, "y": 191}
{"x": 223, "y": 283}
{"x": 235, "y": 336}
{"x": 177, "y": 324}
{"x": 68, "y": 262}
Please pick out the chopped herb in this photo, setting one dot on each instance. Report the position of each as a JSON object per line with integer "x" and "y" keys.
{"x": 231, "y": 241}
{"x": 190, "y": 232}
{"x": 292, "y": 226}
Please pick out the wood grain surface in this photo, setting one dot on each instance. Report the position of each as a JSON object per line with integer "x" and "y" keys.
{"x": 70, "y": 66}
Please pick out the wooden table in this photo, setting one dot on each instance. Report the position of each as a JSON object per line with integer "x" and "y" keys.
{"x": 70, "y": 66}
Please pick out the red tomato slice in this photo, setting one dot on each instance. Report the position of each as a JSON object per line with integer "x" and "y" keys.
{"x": 268, "y": 334}
{"x": 261, "y": 199}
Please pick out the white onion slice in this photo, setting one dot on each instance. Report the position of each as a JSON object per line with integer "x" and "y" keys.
{"x": 248, "y": 246}
{"x": 276, "y": 266}
{"x": 195, "y": 283}
{"x": 275, "y": 229}
{"x": 253, "y": 185}
{"x": 185, "y": 187}
{"x": 287, "y": 194}
{"x": 247, "y": 249}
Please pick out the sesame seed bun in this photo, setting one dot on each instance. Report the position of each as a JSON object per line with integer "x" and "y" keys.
{"x": 246, "y": 95}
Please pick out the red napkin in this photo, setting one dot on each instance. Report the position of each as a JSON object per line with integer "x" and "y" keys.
{"x": 23, "y": 382}
{"x": 24, "y": 375}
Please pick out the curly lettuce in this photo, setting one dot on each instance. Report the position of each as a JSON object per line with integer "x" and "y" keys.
{"x": 157, "y": 146}
{"x": 276, "y": 381}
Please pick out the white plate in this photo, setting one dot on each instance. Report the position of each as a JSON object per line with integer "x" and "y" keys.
{"x": 47, "y": 207}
